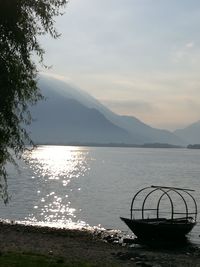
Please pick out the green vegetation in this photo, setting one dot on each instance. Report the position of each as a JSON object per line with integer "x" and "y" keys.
{"x": 13, "y": 259}
{"x": 21, "y": 23}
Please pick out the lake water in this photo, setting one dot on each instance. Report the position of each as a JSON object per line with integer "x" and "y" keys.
{"x": 89, "y": 186}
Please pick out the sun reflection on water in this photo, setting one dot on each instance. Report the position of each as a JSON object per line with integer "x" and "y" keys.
{"x": 56, "y": 167}
{"x": 56, "y": 161}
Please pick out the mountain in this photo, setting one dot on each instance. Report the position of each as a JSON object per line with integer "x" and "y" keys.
{"x": 190, "y": 133}
{"x": 71, "y": 115}
{"x": 62, "y": 119}
{"x": 147, "y": 133}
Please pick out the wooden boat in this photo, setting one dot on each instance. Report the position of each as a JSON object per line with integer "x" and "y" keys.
{"x": 160, "y": 227}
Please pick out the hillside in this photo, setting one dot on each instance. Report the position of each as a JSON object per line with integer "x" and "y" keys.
{"x": 61, "y": 120}
{"x": 190, "y": 133}
{"x": 71, "y": 115}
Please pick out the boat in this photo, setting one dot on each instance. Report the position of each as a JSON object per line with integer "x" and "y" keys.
{"x": 178, "y": 221}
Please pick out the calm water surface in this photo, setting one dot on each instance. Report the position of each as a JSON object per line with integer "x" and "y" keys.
{"x": 84, "y": 186}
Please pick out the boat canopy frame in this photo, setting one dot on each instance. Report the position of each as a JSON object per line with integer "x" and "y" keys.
{"x": 165, "y": 191}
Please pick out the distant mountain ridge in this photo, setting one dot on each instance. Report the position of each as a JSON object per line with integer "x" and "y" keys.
{"x": 62, "y": 119}
{"x": 71, "y": 115}
{"x": 190, "y": 133}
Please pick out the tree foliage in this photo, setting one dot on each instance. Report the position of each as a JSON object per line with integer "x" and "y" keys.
{"x": 21, "y": 24}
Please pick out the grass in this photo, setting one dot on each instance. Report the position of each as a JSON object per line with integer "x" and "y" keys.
{"x": 14, "y": 259}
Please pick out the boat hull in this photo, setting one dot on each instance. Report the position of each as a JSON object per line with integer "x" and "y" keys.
{"x": 154, "y": 228}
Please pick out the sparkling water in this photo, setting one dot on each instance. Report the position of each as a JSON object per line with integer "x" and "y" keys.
{"x": 74, "y": 187}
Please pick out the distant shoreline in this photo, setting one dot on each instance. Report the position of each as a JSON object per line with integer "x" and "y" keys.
{"x": 122, "y": 145}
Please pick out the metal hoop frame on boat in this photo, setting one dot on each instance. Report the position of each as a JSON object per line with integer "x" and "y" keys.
{"x": 165, "y": 191}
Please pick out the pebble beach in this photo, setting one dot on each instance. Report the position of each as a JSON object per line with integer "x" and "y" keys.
{"x": 76, "y": 246}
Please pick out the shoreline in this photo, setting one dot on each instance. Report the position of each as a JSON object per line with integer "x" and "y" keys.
{"x": 76, "y": 246}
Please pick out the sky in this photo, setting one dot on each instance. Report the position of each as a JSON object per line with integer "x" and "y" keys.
{"x": 137, "y": 57}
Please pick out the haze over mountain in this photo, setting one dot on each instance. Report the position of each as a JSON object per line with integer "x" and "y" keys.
{"x": 69, "y": 115}
{"x": 190, "y": 133}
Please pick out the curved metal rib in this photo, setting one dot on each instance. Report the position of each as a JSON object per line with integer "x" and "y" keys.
{"x": 195, "y": 204}
{"x": 133, "y": 200}
{"x": 166, "y": 192}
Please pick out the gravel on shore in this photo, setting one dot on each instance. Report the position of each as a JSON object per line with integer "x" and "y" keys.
{"x": 75, "y": 246}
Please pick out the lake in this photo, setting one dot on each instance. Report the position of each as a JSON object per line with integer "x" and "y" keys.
{"x": 68, "y": 186}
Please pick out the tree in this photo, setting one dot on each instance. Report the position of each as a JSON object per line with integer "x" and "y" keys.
{"x": 21, "y": 23}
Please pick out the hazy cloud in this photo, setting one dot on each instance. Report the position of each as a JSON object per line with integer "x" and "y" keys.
{"x": 132, "y": 52}
{"x": 189, "y": 45}
{"x": 130, "y": 106}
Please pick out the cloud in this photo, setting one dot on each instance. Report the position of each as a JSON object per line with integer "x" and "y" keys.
{"x": 56, "y": 76}
{"x": 185, "y": 52}
{"x": 130, "y": 106}
{"x": 189, "y": 45}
